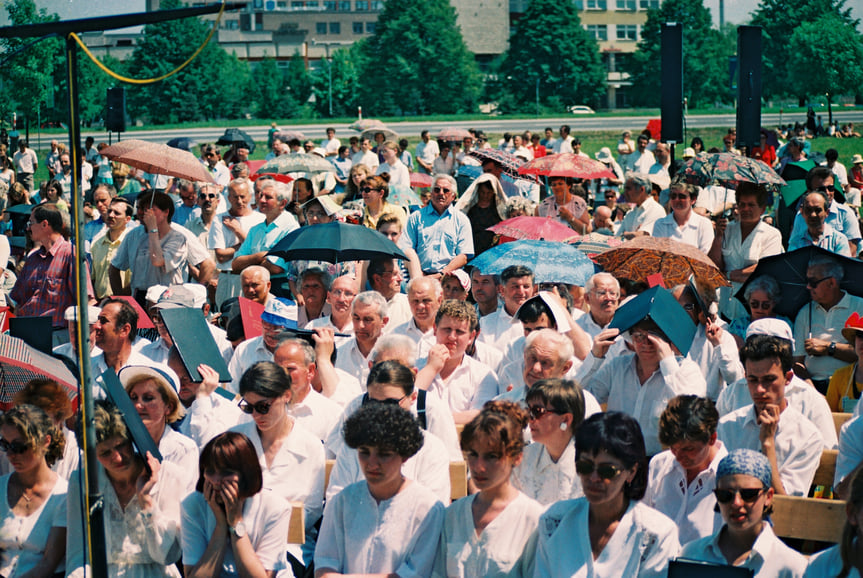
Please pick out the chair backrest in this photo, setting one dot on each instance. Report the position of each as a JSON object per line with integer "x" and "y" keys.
{"x": 297, "y": 526}
{"x": 839, "y": 419}
{"x": 327, "y": 472}
{"x": 457, "y": 480}
{"x": 826, "y": 469}
{"x": 808, "y": 518}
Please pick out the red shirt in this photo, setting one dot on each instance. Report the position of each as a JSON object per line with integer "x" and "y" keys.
{"x": 538, "y": 151}
{"x": 768, "y": 155}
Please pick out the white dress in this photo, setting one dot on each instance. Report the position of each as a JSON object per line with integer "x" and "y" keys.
{"x": 266, "y": 517}
{"x": 769, "y": 557}
{"x": 23, "y": 538}
{"x": 546, "y": 481}
{"x": 739, "y": 253}
{"x": 498, "y": 551}
{"x": 642, "y": 544}
{"x": 360, "y": 535}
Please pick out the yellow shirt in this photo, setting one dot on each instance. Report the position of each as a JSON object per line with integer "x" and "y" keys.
{"x": 841, "y": 387}
{"x": 103, "y": 251}
{"x": 387, "y": 209}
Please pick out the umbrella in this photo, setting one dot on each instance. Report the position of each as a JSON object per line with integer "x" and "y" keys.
{"x": 335, "y": 242}
{"x": 567, "y": 165}
{"x": 789, "y": 270}
{"x": 453, "y": 134}
{"x": 536, "y": 228}
{"x": 275, "y": 176}
{"x": 550, "y": 261}
{"x": 235, "y": 136}
{"x": 595, "y": 243}
{"x": 403, "y": 196}
{"x": 370, "y": 133}
{"x": 299, "y": 163}
{"x": 421, "y": 180}
{"x": 183, "y": 143}
{"x": 289, "y": 135}
{"x": 645, "y": 256}
{"x": 365, "y": 124}
{"x": 19, "y": 363}
{"x": 509, "y": 163}
{"x": 728, "y": 169}
{"x": 159, "y": 159}
{"x": 254, "y": 166}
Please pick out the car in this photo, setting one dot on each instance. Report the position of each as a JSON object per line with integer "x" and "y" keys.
{"x": 581, "y": 109}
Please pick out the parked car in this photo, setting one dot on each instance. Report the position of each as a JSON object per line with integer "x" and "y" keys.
{"x": 581, "y": 109}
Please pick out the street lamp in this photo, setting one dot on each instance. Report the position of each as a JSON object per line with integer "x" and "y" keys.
{"x": 326, "y": 44}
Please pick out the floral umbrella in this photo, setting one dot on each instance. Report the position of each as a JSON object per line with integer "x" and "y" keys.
{"x": 453, "y": 134}
{"x": 728, "y": 169}
{"x": 567, "y": 165}
{"x": 509, "y": 163}
{"x": 595, "y": 243}
{"x": 642, "y": 257}
{"x": 537, "y": 228}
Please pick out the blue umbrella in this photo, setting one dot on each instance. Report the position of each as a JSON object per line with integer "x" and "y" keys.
{"x": 551, "y": 262}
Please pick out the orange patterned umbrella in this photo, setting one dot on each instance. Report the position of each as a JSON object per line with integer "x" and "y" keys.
{"x": 567, "y": 165}
{"x": 644, "y": 256}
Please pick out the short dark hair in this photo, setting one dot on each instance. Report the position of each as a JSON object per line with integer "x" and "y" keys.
{"x": 266, "y": 379}
{"x": 376, "y": 266}
{"x": 563, "y": 395}
{"x": 384, "y": 426}
{"x": 51, "y": 213}
{"x": 392, "y": 372}
{"x": 126, "y": 314}
{"x": 831, "y": 155}
{"x": 751, "y": 189}
{"x": 619, "y": 435}
{"x": 130, "y": 210}
{"x": 688, "y": 418}
{"x": 159, "y": 200}
{"x": 502, "y": 423}
{"x": 820, "y": 173}
{"x": 532, "y": 309}
{"x": 232, "y": 450}
{"x": 761, "y": 347}
{"x": 515, "y": 272}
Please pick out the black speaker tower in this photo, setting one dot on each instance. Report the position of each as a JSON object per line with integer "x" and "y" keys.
{"x": 748, "y": 86}
{"x": 115, "y": 114}
{"x": 672, "y": 82}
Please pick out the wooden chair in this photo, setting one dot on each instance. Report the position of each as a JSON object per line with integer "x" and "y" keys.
{"x": 457, "y": 480}
{"x": 808, "y": 518}
{"x": 826, "y": 469}
{"x": 839, "y": 419}
{"x": 297, "y": 527}
{"x": 329, "y": 470}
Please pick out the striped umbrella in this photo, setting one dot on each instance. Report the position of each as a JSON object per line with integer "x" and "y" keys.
{"x": 19, "y": 363}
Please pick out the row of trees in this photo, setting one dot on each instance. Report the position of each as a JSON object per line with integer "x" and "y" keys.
{"x": 417, "y": 63}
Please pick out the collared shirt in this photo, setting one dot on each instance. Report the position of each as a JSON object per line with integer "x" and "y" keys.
{"x": 424, "y": 340}
{"x": 829, "y": 563}
{"x": 830, "y": 239}
{"x": 427, "y": 152}
{"x": 499, "y": 329}
{"x": 25, "y": 162}
{"x": 439, "y": 238}
{"x": 719, "y": 364}
{"x": 690, "y": 505}
{"x": 182, "y": 451}
{"x": 328, "y": 323}
{"x": 316, "y": 413}
{"x": 349, "y": 358}
{"x": 798, "y": 444}
{"x": 696, "y": 231}
{"x": 814, "y": 321}
{"x": 102, "y": 251}
{"x": 93, "y": 228}
{"x": 134, "y": 254}
{"x": 245, "y": 356}
{"x": 616, "y": 383}
{"x": 262, "y": 237}
{"x": 642, "y": 217}
{"x": 367, "y": 158}
{"x": 544, "y": 480}
{"x": 840, "y": 217}
{"x": 738, "y": 253}
{"x": 399, "y": 174}
{"x": 769, "y": 555}
{"x": 208, "y": 416}
{"x": 386, "y": 209}
{"x": 461, "y": 389}
{"x": 850, "y": 448}
{"x": 46, "y": 284}
{"x": 221, "y": 237}
{"x": 184, "y": 212}
{"x": 398, "y": 311}
{"x": 201, "y": 230}
{"x": 303, "y": 314}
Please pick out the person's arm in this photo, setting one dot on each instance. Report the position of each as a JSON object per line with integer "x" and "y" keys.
{"x": 210, "y": 562}
{"x": 115, "y": 277}
{"x": 715, "y": 252}
{"x": 820, "y": 348}
{"x": 240, "y": 262}
{"x": 768, "y": 419}
{"x": 205, "y": 271}
{"x": 414, "y": 268}
{"x": 157, "y": 259}
{"x": 325, "y": 344}
{"x": 438, "y": 355}
{"x": 457, "y": 262}
{"x": 248, "y": 564}
{"x": 55, "y": 552}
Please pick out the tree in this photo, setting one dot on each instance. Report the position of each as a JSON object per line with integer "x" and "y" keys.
{"x": 705, "y": 56}
{"x": 780, "y": 19}
{"x": 417, "y": 62}
{"x": 346, "y": 80}
{"x": 273, "y": 97}
{"x": 550, "y": 51}
{"x": 298, "y": 79}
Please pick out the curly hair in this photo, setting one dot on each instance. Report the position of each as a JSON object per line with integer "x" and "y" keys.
{"x": 108, "y": 421}
{"x": 34, "y": 424}
{"x": 384, "y": 426}
{"x": 459, "y": 310}
{"x": 688, "y": 418}
{"x": 232, "y": 451}
{"x": 619, "y": 435}
{"x": 502, "y": 423}
{"x": 48, "y": 395}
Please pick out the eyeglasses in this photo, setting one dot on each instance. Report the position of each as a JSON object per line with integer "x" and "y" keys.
{"x": 689, "y": 307}
{"x": 761, "y": 304}
{"x": 826, "y": 189}
{"x": 262, "y": 407}
{"x": 207, "y": 195}
{"x": 748, "y": 495}
{"x": 389, "y": 400}
{"x": 368, "y": 190}
{"x": 441, "y": 190}
{"x": 604, "y": 471}
{"x": 342, "y": 293}
{"x": 13, "y": 447}
{"x": 605, "y": 293}
{"x": 537, "y": 411}
{"x": 640, "y": 336}
{"x": 813, "y": 283}
{"x": 681, "y": 196}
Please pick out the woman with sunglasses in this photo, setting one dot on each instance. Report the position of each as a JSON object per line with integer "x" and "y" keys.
{"x": 230, "y": 526}
{"x": 762, "y": 295}
{"x": 141, "y": 506}
{"x": 485, "y": 534}
{"x": 608, "y": 532}
{"x": 32, "y": 497}
{"x": 546, "y": 473}
{"x": 375, "y": 191}
{"x": 745, "y": 496}
{"x": 682, "y": 223}
{"x": 386, "y": 524}
{"x": 292, "y": 459}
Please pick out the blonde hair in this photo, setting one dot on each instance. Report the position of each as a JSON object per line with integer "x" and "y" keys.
{"x": 169, "y": 396}
{"x": 35, "y": 425}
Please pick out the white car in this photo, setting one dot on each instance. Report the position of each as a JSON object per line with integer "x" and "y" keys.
{"x": 581, "y": 109}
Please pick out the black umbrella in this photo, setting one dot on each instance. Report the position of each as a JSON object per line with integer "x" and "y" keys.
{"x": 335, "y": 242}
{"x": 789, "y": 270}
{"x": 183, "y": 143}
{"x": 236, "y": 136}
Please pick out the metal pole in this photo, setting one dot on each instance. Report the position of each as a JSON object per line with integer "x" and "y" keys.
{"x": 94, "y": 538}
{"x": 330, "y": 70}
{"x": 537, "y": 96}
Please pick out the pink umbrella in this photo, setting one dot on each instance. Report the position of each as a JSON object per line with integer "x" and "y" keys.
{"x": 534, "y": 228}
{"x": 453, "y": 134}
{"x": 567, "y": 165}
{"x": 421, "y": 180}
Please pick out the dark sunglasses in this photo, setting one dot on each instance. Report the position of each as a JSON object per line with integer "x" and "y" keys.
{"x": 537, "y": 411}
{"x": 367, "y": 190}
{"x": 604, "y": 471}
{"x": 748, "y": 495}
{"x": 262, "y": 407}
{"x": 208, "y": 195}
{"x": 826, "y": 188}
{"x": 441, "y": 190}
{"x": 813, "y": 283}
{"x": 388, "y": 400}
{"x": 13, "y": 447}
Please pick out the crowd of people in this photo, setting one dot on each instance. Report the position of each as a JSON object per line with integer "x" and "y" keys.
{"x": 596, "y": 443}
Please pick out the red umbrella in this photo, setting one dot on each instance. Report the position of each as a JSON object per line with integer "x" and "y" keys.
{"x": 567, "y": 165}
{"x": 534, "y": 228}
{"x": 453, "y": 134}
{"x": 421, "y": 180}
{"x": 254, "y": 166}
{"x": 276, "y": 177}
{"x": 654, "y": 125}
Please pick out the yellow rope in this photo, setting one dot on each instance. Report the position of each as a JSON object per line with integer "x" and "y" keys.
{"x": 150, "y": 80}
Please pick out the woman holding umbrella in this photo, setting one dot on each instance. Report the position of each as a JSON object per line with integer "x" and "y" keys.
{"x": 565, "y": 206}
{"x": 484, "y": 203}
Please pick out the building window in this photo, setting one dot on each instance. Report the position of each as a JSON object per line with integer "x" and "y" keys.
{"x": 626, "y": 5}
{"x": 345, "y": 5}
{"x": 331, "y": 5}
{"x": 362, "y": 6}
{"x": 627, "y": 32}
{"x": 579, "y": 5}
{"x": 598, "y": 32}
{"x": 596, "y": 5}
{"x": 370, "y": 27}
{"x": 649, "y": 4}
{"x": 321, "y": 28}
{"x": 377, "y": 5}
{"x": 358, "y": 27}
{"x": 335, "y": 27}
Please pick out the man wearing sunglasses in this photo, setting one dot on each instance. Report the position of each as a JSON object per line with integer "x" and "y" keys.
{"x": 791, "y": 443}
{"x": 838, "y": 216}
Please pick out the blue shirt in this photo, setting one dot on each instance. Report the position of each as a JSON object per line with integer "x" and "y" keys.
{"x": 840, "y": 217}
{"x": 262, "y": 237}
{"x": 439, "y": 238}
{"x": 831, "y": 239}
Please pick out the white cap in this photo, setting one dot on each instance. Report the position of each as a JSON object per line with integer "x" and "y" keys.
{"x": 93, "y": 312}
{"x": 770, "y": 326}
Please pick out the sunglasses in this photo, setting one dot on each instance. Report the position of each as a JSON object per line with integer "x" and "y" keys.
{"x": 13, "y": 447}
{"x": 389, "y": 400}
{"x": 760, "y": 304}
{"x": 367, "y": 190}
{"x": 262, "y": 407}
{"x": 748, "y": 495}
{"x": 813, "y": 283}
{"x": 681, "y": 196}
{"x": 441, "y": 190}
{"x": 826, "y": 188}
{"x": 207, "y": 195}
{"x": 537, "y": 411}
{"x": 604, "y": 471}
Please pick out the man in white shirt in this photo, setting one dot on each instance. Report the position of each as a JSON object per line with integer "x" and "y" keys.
{"x": 516, "y": 286}
{"x": 424, "y": 297}
{"x": 426, "y": 152}
{"x": 369, "y": 315}
{"x": 485, "y": 291}
{"x": 277, "y": 316}
{"x": 642, "y": 159}
{"x": 215, "y": 166}
{"x": 639, "y": 221}
{"x": 339, "y": 297}
{"x": 791, "y": 443}
{"x": 331, "y": 144}
{"x": 564, "y": 143}
{"x": 366, "y": 156}
{"x": 385, "y": 277}
{"x": 602, "y": 293}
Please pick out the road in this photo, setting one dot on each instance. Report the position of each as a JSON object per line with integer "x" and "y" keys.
{"x": 579, "y": 123}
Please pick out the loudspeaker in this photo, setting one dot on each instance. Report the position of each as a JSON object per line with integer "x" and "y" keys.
{"x": 748, "y": 86}
{"x": 115, "y": 114}
{"x": 672, "y": 82}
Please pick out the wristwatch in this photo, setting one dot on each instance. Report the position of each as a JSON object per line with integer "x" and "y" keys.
{"x": 831, "y": 349}
{"x": 239, "y": 530}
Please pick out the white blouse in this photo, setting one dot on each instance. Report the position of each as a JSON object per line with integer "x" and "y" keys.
{"x": 23, "y": 538}
{"x": 546, "y": 481}
{"x": 642, "y": 544}
{"x": 828, "y": 563}
{"x": 360, "y": 535}
{"x": 498, "y": 551}
{"x": 769, "y": 557}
